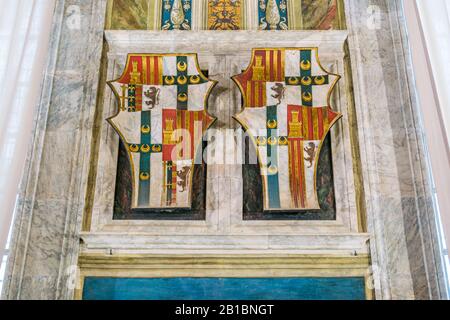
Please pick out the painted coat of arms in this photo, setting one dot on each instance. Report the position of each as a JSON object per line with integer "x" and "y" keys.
{"x": 161, "y": 120}
{"x": 287, "y": 114}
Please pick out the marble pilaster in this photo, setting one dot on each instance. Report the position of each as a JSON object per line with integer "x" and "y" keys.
{"x": 400, "y": 213}
{"x": 45, "y": 242}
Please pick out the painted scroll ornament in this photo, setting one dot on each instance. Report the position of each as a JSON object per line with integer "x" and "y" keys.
{"x": 176, "y": 15}
{"x": 273, "y": 15}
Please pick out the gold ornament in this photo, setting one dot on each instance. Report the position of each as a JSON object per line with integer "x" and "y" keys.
{"x": 272, "y": 124}
{"x": 195, "y": 79}
{"x": 306, "y": 81}
{"x": 182, "y": 97}
{"x": 305, "y": 65}
{"x": 182, "y": 66}
{"x": 182, "y": 80}
{"x": 307, "y": 96}
{"x": 169, "y": 80}
{"x": 144, "y": 176}
{"x": 319, "y": 80}
{"x": 134, "y": 148}
{"x": 145, "y": 148}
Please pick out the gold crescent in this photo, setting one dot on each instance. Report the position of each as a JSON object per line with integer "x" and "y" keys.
{"x": 195, "y": 79}
{"x": 307, "y": 96}
{"x": 170, "y": 80}
{"x": 182, "y": 97}
{"x": 144, "y": 176}
{"x": 293, "y": 80}
{"x": 319, "y": 80}
{"x": 156, "y": 148}
{"x": 273, "y": 169}
{"x": 271, "y": 124}
{"x": 182, "y": 80}
{"x": 134, "y": 148}
{"x": 261, "y": 141}
{"x": 282, "y": 141}
{"x": 182, "y": 66}
{"x": 305, "y": 65}
{"x": 306, "y": 81}
{"x": 145, "y": 148}
{"x": 272, "y": 141}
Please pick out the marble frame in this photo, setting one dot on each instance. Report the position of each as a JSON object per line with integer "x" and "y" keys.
{"x": 224, "y": 217}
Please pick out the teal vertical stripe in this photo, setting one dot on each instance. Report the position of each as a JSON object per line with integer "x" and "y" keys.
{"x": 182, "y": 88}
{"x": 144, "y": 165}
{"x": 305, "y": 55}
{"x": 273, "y": 188}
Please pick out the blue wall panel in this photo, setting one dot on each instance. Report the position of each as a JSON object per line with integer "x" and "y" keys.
{"x": 223, "y": 289}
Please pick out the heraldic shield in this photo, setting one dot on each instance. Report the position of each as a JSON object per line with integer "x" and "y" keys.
{"x": 161, "y": 120}
{"x": 287, "y": 114}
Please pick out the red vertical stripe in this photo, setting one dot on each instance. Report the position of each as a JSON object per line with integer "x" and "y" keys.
{"x": 184, "y": 142}
{"x": 293, "y": 178}
{"x": 138, "y": 98}
{"x": 265, "y": 63}
{"x": 302, "y": 121}
{"x": 310, "y": 124}
{"x": 301, "y": 174}
{"x": 191, "y": 133}
{"x": 280, "y": 70}
{"x": 320, "y": 122}
{"x": 252, "y": 98}
{"x": 156, "y": 71}
{"x": 148, "y": 80}
{"x": 261, "y": 96}
{"x": 271, "y": 66}
{"x": 168, "y": 148}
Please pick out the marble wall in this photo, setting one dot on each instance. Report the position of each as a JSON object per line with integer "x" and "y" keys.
{"x": 385, "y": 132}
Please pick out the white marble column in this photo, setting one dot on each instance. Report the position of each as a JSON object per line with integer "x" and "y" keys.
{"x": 398, "y": 199}
{"x": 45, "y": 241}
